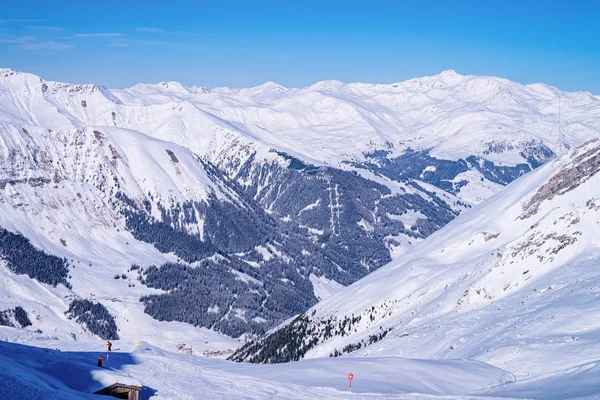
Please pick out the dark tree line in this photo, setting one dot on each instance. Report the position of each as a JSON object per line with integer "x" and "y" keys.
{"x": 285, "y": 344}
{"x": 23, "y": 258}
{"x": 294, "y": 340}
{"x": 350, "y": 214}
{"x": 96, "y": 318}
{"x": 21, "y": 317}
{"x": 209, "y": 294}
{"x": 18, "y": 314}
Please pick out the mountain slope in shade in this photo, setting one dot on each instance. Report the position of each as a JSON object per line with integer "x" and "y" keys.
{"x": 512, "y": 282}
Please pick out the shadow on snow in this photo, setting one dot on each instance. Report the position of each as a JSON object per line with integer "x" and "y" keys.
{"x": 65, "y": 371}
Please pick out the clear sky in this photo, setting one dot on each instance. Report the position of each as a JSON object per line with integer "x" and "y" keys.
{"x": 296, "y": 43}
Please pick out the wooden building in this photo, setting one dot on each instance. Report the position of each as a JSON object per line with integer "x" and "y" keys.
{"x": 121, "y": 391}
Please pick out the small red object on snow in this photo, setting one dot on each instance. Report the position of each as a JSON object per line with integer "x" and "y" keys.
{"x": 350, "y": 377}
{"x": 100, "y": 361}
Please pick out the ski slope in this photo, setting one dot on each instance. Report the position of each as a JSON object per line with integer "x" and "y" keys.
{"x": 72, "y": 373}
{"x": 66, "y": 369}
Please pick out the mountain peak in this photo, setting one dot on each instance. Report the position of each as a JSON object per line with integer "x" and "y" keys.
{"x": 327, "y": 85}
{"x": 450, "y": 77}
{"x": 268, "y": 86}
{"x": 7, "y": 71}
{"x": 450, "y": 73}
{"x": 173, "y": 86}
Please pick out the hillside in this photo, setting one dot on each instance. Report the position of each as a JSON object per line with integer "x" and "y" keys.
{"x": 512, "y": 282}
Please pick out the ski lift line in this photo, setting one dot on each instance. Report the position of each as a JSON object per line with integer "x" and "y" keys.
{"x": 560, "y": 134}
{"x": 563, "y": 147}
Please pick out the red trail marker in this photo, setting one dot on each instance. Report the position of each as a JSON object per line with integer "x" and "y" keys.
{"x": 350, "y": 377}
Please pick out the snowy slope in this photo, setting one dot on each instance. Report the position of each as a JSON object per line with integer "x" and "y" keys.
{"x": 512, "y": 282}
{"x": 72, "y": 373}
{"x": 58, "y": 190}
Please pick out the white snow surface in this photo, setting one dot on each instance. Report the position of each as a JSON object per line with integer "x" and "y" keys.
{"x": 166, "y": 374}
{"x": 324, "y": 287}
{"x": 328, "y": 123}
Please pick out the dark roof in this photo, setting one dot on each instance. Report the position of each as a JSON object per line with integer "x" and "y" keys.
{"x": 119, "y": 385}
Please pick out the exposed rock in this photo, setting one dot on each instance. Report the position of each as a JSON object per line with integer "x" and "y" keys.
{"x": 579, "y": 170}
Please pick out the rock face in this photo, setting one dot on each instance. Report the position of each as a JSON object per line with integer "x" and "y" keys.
{"x": 582, "y": 167}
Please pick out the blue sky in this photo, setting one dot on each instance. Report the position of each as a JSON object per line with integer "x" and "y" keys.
{"x": 296, "y": 43}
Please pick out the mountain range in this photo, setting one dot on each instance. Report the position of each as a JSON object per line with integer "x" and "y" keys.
{"x": 236, "y": 209}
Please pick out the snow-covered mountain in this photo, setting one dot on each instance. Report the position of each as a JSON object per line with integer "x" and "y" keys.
{"x": 100, "y": 195}
{"x": 513, "y": 282}
{"x": 277, "y": 196}
{"x": 449, "y": 130}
